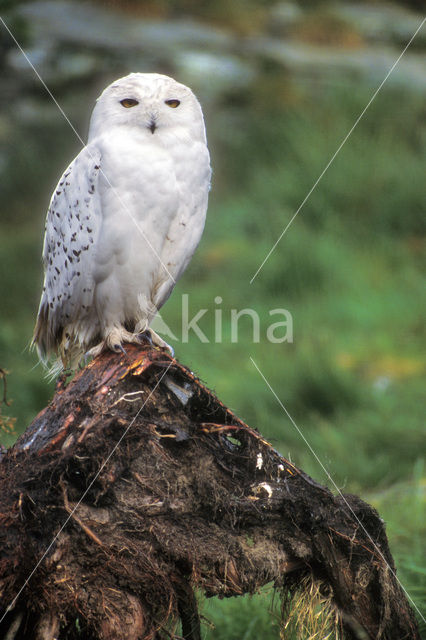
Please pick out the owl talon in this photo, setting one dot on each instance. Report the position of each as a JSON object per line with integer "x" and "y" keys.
{"x": 145, "y": 336}
{"x": 95, "y": 351}
{"x": 154, "y": 340}
{"x": 118, "y": 348}
{"x": 170, "y": 350}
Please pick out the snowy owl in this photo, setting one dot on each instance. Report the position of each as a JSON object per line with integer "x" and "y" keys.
{"x": 124, "y": 219}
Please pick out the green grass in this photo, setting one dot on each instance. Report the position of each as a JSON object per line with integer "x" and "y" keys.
{"x": 247, "y": 618}
{"x": 403, "y": 507}
{"x": 348, "y": 270}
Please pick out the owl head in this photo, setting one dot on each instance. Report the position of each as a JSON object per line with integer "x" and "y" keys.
{"x": 150, "y": 102}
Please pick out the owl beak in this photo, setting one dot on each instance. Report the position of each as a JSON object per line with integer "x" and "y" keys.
{"x": 152, "y": 125}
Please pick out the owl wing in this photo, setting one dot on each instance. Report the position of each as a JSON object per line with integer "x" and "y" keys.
{"x": 72, "y": 227}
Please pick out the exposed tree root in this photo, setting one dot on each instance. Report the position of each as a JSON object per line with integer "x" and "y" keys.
{"x": 136, "y": 486}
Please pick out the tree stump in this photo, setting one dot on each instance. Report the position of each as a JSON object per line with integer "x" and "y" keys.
{"x": 137, "y": 487}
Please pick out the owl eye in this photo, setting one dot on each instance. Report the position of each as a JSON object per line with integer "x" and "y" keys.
{"x": 129, "y": 102}
{"x": 172, "y": 103}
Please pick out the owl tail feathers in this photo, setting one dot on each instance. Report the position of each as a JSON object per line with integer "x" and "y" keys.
{"x": 56, "y": 350}
{"x": 55, "y": 365}
{"x": 43, "y": 339}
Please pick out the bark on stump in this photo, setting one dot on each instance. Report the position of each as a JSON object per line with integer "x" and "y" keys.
{"x": 136, "y": 486}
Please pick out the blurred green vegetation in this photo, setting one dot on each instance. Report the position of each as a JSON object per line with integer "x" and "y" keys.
{"x": 348, "y": 270}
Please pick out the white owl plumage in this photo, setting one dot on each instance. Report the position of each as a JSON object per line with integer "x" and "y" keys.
{"x": 124, "y": 219}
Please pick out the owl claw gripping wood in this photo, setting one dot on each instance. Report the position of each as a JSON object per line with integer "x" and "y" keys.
{"x": 124, "y": 219}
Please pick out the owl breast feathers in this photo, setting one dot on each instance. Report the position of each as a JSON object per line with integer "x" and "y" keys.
{"x": 124, "y": 219}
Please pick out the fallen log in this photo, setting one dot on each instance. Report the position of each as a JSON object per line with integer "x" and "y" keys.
{"x": 136, "y": 487}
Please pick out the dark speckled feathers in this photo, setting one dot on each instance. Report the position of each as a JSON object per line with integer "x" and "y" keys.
{"x": 72, "y": 226}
